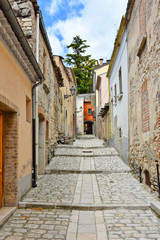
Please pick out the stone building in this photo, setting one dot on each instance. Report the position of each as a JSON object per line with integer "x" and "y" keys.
{"x": 85, "y": 112}
{"x": 47, "y": 96}
{"x": 143, "y": 37}
{"x": 66, "y": 111}
{"x": 97, "y": 72}
{"x": 19, "y": 72}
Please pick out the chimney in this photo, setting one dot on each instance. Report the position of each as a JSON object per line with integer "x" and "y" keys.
{"x": 101, "y": 61}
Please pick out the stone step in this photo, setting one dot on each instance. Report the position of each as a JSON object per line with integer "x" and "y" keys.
{"x": 6, "y": 213}
{"x": 83, "y": 207}
{"x": 65, "y": 171}
{"x": 79, "y": 147}
{"x": 85, "y": 155}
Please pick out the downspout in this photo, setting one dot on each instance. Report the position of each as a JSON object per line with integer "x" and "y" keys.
{"x": 75, "y": 111}
{"x": 34, "y": 117}
{"x": 35, "y": 113}
{"x": 109, "y": 108}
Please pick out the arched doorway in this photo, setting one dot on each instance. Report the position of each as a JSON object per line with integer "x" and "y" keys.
{"x": 41, "y": 142}
{"x": 88, "y": 127}
{"x": 147, "y": 178}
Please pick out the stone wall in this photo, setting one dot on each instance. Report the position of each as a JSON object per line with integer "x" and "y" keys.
{"x": 144, "y": 74}
{"x": 48, "y": 92}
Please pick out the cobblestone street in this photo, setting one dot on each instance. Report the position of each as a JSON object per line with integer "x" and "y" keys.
{"x": 87, "y": 193}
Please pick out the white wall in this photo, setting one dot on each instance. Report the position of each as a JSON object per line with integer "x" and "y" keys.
{"x": 119, "y": 112}
{"x": 80, "y": 120}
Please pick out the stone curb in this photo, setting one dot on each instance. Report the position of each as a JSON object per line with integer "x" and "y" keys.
{"x": 85, "y": 207}
{"x": 79, "y": 147}
{"x": 5, "y": 214}
{"x": 155, "y": 206}
{"x": 58, "y": 171}
{"x": 83, "y": 155}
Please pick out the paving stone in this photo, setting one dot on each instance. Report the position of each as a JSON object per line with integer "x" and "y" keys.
{"x": 37, "y": 231}
{"x": 53, "y": 189}
{"x": 128, "y": 215}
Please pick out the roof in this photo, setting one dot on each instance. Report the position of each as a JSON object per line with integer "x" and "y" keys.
{"x": 129, "y": 9}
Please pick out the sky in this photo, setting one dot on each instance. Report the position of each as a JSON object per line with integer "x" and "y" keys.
{"x": 96, "y": 21}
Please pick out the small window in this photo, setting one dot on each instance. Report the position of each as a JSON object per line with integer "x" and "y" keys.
{"x": 44, "y": 63}
{"x": 115, "y": 92}
{"x": 89, "y": 111}
{"x": 47, "y": 130}
{"x": 120, "y": 80}
{"x": 28, "y": 109}
{"x": 120, "y": 133}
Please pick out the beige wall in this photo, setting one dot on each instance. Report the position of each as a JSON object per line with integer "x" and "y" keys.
{"x": 15, "y": 89}
{"x": 15, "y": 86}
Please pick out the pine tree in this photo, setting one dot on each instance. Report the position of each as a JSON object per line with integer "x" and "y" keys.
{"x": 82, "y": 64}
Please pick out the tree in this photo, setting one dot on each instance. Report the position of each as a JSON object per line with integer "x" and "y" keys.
{"x": 82, "y": 64}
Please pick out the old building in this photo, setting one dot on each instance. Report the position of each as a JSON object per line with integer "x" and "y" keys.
{"x": 85, "y": 110}
{"x": 118, "y": 78}
{"x": 102, "y": 86}
{"x": 143, "y": 36}
{"x": 66, "y": 112}
{"x": 47, "y": 95}
{"x": 97, "y": 72}
{"x": 19, "y": 74}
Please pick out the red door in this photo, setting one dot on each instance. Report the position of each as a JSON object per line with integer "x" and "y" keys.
{"x": 1, "y": 156}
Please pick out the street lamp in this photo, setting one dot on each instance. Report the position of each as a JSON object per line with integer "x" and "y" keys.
{"x": 73, "y": 90}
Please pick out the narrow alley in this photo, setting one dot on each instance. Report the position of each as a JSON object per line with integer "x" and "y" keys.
{"x": 86, "y": 193}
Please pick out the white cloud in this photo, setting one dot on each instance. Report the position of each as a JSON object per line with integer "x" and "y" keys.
{"x": 98, "y": 24}
{"x": 53, "y": 7}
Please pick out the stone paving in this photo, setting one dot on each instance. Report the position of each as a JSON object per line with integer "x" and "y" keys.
{"x": 53, "y": 189}
{"x": 132, "y": 224}
{"x": 31, "y": 224}
{"x": 103, "y": 201}
{"x": 108, "y": 163}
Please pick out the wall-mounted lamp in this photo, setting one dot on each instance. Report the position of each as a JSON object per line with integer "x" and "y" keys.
{"x": 73, "y": 90}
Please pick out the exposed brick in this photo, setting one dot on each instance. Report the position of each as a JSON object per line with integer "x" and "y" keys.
{"x": 11, "y": 160}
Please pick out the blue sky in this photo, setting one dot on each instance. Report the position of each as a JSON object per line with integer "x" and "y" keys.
{"x": 96, "y": 21}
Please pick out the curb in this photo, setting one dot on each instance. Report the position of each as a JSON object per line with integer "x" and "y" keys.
{"x": 155, "y": 206}
{"x": 54, "y": 171}
{"x": 83, "y": 155}
{"x": 78, "y": 147}
{"x": 85, "y": 207}
{"x": 6, "y": 213}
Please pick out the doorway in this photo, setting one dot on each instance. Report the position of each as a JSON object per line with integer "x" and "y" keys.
{"x": 1, "y": 155}
{"x": 88, "y": 127}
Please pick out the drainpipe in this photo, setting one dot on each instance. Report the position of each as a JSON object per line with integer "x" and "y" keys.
{"x": 109, "y": 108}
{"x": 35, "y": 112}
{"x": 75, "y": 111}
{"x": 34, "y": 133}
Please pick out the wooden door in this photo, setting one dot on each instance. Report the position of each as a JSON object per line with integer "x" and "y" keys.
{"x": 1, "y": 156}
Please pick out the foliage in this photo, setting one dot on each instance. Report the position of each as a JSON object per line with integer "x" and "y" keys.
{"x": 82, "y": 64}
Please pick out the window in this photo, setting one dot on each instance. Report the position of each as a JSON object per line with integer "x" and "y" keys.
{"x": 28, "y": 109}
{"x": 89, "y": 111}
{"x": 115, "y": 92}
{"x": 120, "y": 133}
{"x": 47, "y": 130}
{"x": 120, "y": 80}
{"x": 44, "y": 63}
